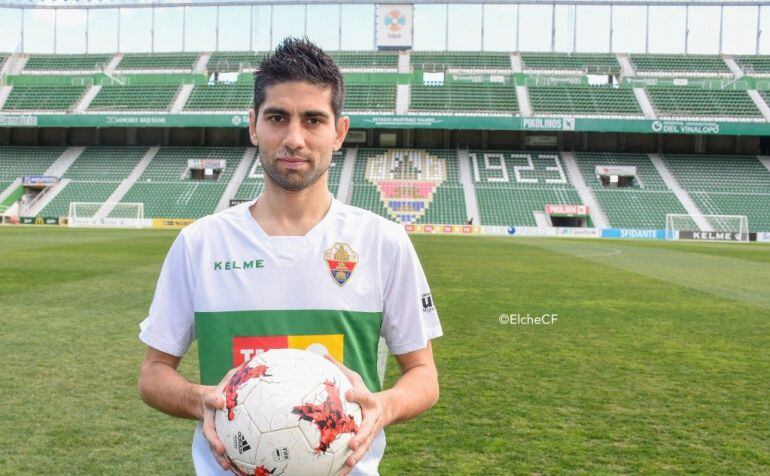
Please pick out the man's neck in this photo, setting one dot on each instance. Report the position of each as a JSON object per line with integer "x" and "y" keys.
{"x": 281, "y": 212}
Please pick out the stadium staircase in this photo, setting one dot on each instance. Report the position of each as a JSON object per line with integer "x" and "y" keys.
{"x": 760, "y": 102}
{"x": 126, "y": 184}
{"x": 641, "y": 206}
{"x": 346, "y": 175}
{"x": 644, "y": 102}
{"x": 584, "y": 192}
{"x": 238, "y": 175}
{"x": 202, "y": 63}
{"x": 689, "y": 205}
{"x": 469, "y": 191}
{"x": 93, "y": 177}
{"x": 181, "y": 98}
{"x": 58, "y": 160}
{"x": 719, "y": 185}
{"x": 735, "y": 69}
{"x": 86, "y": 99}
{"x": 5, "y": 91}
{"x": 522, "y": 97}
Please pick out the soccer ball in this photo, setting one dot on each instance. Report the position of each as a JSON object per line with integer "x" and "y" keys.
{"x": 286, "y": 413}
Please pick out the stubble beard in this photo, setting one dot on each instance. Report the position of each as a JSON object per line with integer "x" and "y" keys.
{"x": 291, "y": 180}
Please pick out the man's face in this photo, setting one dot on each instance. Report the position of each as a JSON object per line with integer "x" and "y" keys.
{"x": 296, "y": 134}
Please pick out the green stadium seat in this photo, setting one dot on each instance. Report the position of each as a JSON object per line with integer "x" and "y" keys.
{"x": 589, "y": 63}
{"x": 643, "y": 206}
{"x": 232, "y": 62}
{"x": 366, "y": 60}
{"x": 754, "y": 65}
{"x": 43, "y": 98}
{"x": 166, "y": 190}
{"x": 512, "y": 185}
{"x": 158, "y": 62}
{"x": 37, "y": 64}
{"x": 225, "y": 97}
{"x": 702, "y": 103}
{"x": 592, "y": 101}
{"x": 675, "y": 65}
{"x": 461, "y": 61}
{"x": 94, "y": 175}
{"x": 15, "y": 162}
{"x": 370, "y": 97}
{"x": 155, "y": 97}
{"x": 450, "y": 98}
{"x": 726, "y": 185}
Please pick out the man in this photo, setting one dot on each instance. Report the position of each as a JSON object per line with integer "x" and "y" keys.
{"x": 293, "y": 262}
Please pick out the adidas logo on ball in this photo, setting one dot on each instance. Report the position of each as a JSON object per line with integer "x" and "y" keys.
{"x": 240, "y": 443}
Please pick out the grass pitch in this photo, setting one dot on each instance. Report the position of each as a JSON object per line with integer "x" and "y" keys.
{"x": 659, "y": 361}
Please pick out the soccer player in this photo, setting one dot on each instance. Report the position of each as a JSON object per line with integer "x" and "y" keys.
{"x": 293, "y": 268}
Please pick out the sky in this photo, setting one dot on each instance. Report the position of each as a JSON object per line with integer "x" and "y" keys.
{"x": 462, "y": 27}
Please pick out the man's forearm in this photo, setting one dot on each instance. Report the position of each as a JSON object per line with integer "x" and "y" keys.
{"x": 415, "y": 392}
{"x": 163, "y": 388}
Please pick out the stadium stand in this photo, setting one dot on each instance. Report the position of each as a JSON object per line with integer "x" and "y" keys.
{"x": 570, "y": 63}
{"x": 158, "y": 62}
{"x": 370, "y": 97}
{"x": 676, "y": 65}
{"x": 721, "y": 185}
{"x": 754, "y": 65}
{"x": 94, "y": 175}
{"x": 512, "y": 185}
{"x": 154, "y": 97}
{"x": 366, "y": 60}
{"x": 702, "y": 103}
{"x": 230, "y": 62}
{"x": 644, "y": 205}
{"x": 220, "y": 97}
{"x": 37, "y": 64}
{"x": 43, "y": 98}
{"x": 16, "y": 162}
{"x": 451, "y": 98}
{"x": 593, "y": 101}
{"x": 461, "y": 61}
{"x": 410, "y": 185}
{"x": 167, "y": 191}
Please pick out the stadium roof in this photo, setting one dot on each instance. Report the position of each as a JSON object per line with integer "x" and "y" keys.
{"x": 145, "y": 3}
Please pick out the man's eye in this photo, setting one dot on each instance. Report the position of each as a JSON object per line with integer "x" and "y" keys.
{"x": 275, "y": 118}
{"x": 313, "y": 120}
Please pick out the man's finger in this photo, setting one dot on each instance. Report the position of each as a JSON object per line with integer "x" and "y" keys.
{"x": 214, "y": 401}
{"x": 348, "y": 373}
{"x": 359, "y": 453}
{"x": 210, "y": 433}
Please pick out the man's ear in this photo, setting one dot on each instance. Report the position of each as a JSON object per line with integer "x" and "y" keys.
{"x": 253, "y": 127}
{"x": 343, "y": 125}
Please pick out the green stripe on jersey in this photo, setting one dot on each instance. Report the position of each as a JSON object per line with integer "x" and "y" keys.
{"x": 215, "y": 332}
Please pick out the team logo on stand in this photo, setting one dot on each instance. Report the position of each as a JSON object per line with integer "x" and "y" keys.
{"x": 341, "y": 260}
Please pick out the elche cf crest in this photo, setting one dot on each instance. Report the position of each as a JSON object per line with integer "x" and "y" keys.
{"x": 341, "y": 260}
{"x": 406, "y": 180}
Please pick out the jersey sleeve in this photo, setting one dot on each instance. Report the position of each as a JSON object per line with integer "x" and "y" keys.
{"x": 170, "y": 325}
{"x": 410, "y": 319}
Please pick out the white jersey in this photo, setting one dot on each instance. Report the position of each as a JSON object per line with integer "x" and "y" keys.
{"x": 352, "y": 278}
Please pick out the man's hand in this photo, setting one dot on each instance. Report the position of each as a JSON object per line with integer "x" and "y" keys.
{"x": 212, "y": 401}
{"x": 372, "y": 416}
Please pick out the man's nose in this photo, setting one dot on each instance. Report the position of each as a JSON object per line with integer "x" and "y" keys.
{"x": 294, "y": 139}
